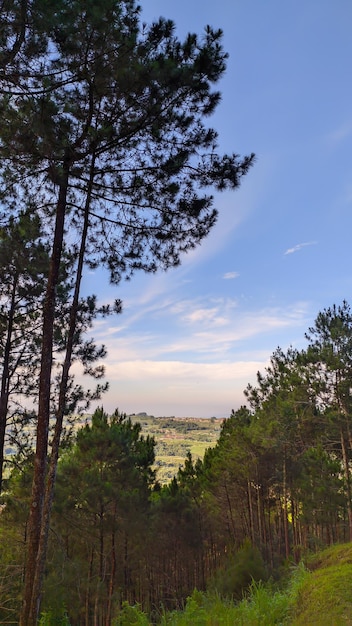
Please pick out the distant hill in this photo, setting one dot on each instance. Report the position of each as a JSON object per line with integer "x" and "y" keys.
{"x": 174, "y": 436}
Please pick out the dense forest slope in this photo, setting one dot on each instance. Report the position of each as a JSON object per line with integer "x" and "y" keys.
{"x": 272, "y": 489}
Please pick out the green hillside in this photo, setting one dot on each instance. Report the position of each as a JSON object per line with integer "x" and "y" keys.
{"x": 325, "y": 598}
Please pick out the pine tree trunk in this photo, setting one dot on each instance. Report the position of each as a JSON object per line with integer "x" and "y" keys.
{"x": 232, "y": 521}
{"x": 112, "y": 574}
{"x": 59, "y": 414}
{"x": 31, "y": 601}
{"x": 89, "y": 588}
{"x": 285, "y": 514}
{"x": 5, "y": 378}
{"x": 348, "y": 482}
{"x": 259, "y": 513}
{"x": 251, "y": 518}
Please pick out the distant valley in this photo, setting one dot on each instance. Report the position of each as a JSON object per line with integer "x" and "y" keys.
{"x": 175, "y": 437}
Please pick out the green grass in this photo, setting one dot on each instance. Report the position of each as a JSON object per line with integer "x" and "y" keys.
{"x": 262, "y": 607}
{"x": 337, "y": 554}
{"x": 326, "y": 597}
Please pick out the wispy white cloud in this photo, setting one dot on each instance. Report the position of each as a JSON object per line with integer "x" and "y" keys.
{"x": 299, "y": 246}
{"x": 208, "y": 316}
{"x": 230, "y": 275}
{"x": 205, "y": 313}
{"x": 192, "y": 331}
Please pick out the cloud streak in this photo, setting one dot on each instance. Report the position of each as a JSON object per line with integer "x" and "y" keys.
{"x": 205, "y": 332}
{"x": 230, "y": 275}
{"x": 343, "y": 132}
{"x": 299, "y": 246}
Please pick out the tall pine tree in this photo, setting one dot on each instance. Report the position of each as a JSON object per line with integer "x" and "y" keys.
{"x": 103, "y": 126}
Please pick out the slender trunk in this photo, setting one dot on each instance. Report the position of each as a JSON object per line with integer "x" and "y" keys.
{"x": 260, "y": 532}
{"x": 271, "y": 546}
{"x": 112, "y": 573}
{"x": 202, "y": 543}
{"x": 294, "y": 518}
{"x": 345, "y": 440}
{"x": 31, "y": 603}
{"x": 89, "y": 588}
{"x": 348, "y": 482}
{"x": 101, "y": 543}
{"x": 125, "y": 566}
{"x": 232, "y": 521}
{"x": 250, "y": 506}
{"x": 59, "y": 414}
{"x": 285, "y": 513}
{"x": 96, "y": 613}
{"x": 5, "y": 377}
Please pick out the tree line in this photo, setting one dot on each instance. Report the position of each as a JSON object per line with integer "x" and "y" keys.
{"x": 107, "y": 161}
{"x": 276, "y": 486}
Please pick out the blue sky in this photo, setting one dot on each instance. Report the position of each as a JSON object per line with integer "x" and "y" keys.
{"x": 189, "y": 340}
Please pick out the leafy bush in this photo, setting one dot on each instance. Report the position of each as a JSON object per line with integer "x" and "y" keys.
{"x": 131, "y": 616}
{"x": 202, "y": 609}
{"x": 263, "y": 606}
{"x": 235, "y": 577}
{"x": 49, "y": 618}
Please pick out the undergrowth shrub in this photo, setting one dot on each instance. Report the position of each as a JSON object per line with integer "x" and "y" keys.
{"x": 202, "y": 609}
{"x": 263, "y": 606}
{"x": 236, "y": 575}
{"x": 131, "y": 616}
{"x": 54, "y": 618}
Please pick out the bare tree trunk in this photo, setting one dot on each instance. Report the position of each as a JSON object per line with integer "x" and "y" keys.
{"x": 348, "y": 482}
{"x": 96, "y": 611}
{"x": 287, "y": 544}
{"x": 112, "y": 574}
{"x": 89, "y": 587}
{"x": 250, "y": 505}
{"x": 5, "y": 378}
{"x": 270, "y": 534}
{"x": 233, "y": 528}
{"x": 260, "y": 534}
{"x": 31, "y": 603}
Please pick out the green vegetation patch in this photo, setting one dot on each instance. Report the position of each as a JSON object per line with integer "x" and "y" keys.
{"x": 338, "y": 554}
{"x": 324, "y": 596}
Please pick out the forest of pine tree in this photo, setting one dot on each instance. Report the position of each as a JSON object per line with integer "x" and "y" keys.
{"x": 274, "y": 488}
